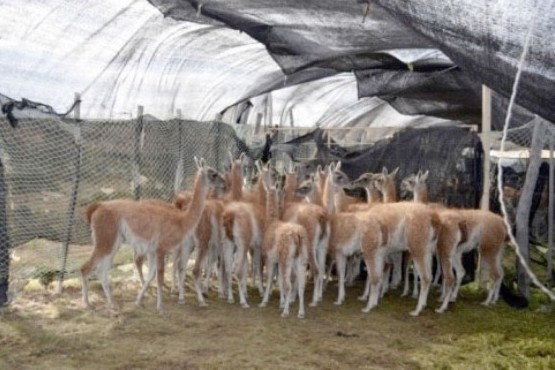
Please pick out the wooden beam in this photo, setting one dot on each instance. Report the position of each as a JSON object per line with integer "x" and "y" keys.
{"x": 486, "y": 143}
{"x": 551, "y": 210}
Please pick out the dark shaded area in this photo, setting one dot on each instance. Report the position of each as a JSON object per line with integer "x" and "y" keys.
{"x": 453, "y": 155}
{"x": 486, "y": 42}
{"x": 447, "y": 93}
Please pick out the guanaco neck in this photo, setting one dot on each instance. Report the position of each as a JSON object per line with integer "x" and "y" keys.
{"x": 320, "y": 196}
{"x": 329, "y": 196}
{"x": 290, "y": 187}
{"x": 420, "y": 193}
{"x": 389, "y": 193}
{"x": 372, "y": 195}
{"x": 236, "y": 179}
{"x": 259, "y": 193}
{"x": 342, "y": 200}
{"x": 272, "y": 207}
{"x": 317, "y": 197}
{"x": 194, "y": 211}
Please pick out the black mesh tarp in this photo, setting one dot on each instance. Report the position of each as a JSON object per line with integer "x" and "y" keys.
{"x": 453, "y": 155}
{"x": 483, "y": 38}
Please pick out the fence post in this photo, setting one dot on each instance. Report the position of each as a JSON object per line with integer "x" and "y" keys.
{"x": 259, "y": 117}
{"x": 525, "y": 203}
{"x": 137, "y": 154}
{"x": 485, "y": 136}
{"x": 179, "y": 169}
{"x": 486, "y": 143}
{"x": 4, "y": 238}
{"x": 74, "y": 192}
{"x": 550, "y": 210}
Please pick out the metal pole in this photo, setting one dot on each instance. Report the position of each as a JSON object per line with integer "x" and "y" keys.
{"x": 137, "y": 154}
{"x": 74, "y": 192}
{"x": 551, "y": 210}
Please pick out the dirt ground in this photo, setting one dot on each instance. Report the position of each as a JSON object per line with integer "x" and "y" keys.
{"x": 40, "y": 330}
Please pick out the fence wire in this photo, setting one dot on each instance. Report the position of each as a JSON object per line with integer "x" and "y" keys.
{"x": 46, "y": 161}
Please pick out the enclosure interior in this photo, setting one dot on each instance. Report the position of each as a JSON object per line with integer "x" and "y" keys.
{"x": 111, "y": 100}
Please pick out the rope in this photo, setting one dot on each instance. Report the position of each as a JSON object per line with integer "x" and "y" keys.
{"x": 523, "y": 262}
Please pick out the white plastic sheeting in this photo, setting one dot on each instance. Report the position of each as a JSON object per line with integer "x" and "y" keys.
{"x": 120, "y": 54}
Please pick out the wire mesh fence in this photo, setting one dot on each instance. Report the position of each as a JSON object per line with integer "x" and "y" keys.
{"x": 53, "y": 168}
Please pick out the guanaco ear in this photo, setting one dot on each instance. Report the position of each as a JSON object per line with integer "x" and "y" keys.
{"x": 200, "y": 163}
{"x": 424, "y": 175}
{"x": 291, "y": 168}
{"x": 331, "y": 167}
{"x": 258, "y": 165}
{"x": 230, "y": 157}
{"x": 319, "y": 169}
{"x": 394, "y": 173}
{"x": 384, "y": 171}
{"x": 243, "y": 157}
{"x": 338, "y": 166}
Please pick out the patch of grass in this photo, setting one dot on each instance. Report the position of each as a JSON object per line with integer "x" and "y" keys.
{"x": 44, "y": 331}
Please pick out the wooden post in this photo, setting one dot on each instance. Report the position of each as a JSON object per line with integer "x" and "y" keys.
{"x": 270, "y": 106}
{"x": 137, "y": 154}
{"x": 486, "y": 143}
{"x": 4, "y": 238}
{"x": 525, "y": 203}
{"x": 486, "y": 184}
{"x": 259, "y": 117}
{"x": 551, "y": 210}
{"x": 74, "y": 192}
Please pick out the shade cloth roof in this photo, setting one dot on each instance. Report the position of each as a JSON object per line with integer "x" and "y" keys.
{"x": 426, "y": 60}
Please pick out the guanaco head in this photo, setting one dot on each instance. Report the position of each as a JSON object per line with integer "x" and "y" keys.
{"x": 337, "y": 177}
{"x": 415, "y": 182}
{"x": 303, "y": 171}
{"x": 291, "y": 177}
{"x": 305, "y": 188}
{"x": 384, "y": 180}
{"x": 237, "y": 167}
{"x": 366, "y": 180}
{"x": 213, "y": 178}
{"x": 269, "y": 176}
